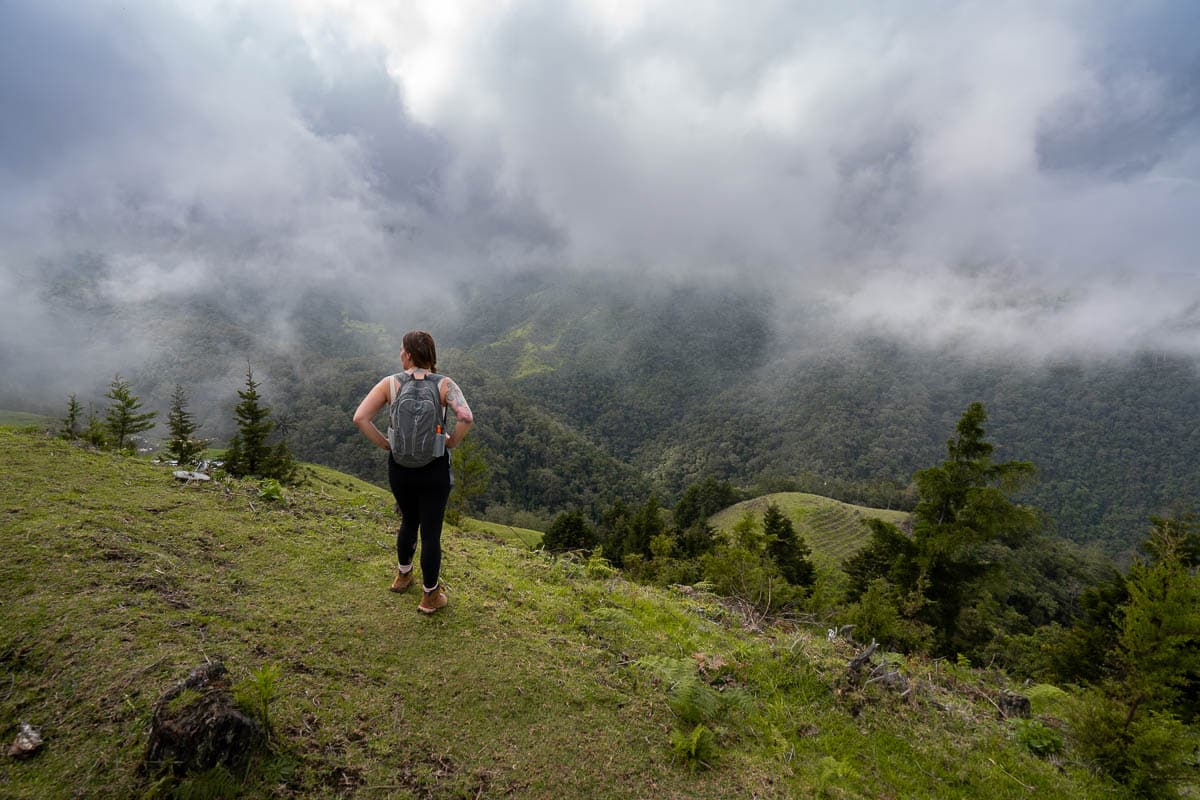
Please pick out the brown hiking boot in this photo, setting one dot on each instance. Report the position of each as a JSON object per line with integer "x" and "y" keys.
{"x": 403, "y": 581}
{"x": 432, "y": 601}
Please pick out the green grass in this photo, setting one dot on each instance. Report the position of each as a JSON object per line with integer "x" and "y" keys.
{"x": 117, "y": 580}
{"x": 24, "y": 419}
{"x": 833, "y": 529}
{"x": 523, "y": 537}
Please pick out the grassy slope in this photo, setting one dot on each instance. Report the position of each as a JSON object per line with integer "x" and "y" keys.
{"x": 22, "y": 418}
{"x": 833, "y": 529}
{"x": 116, "y": 581}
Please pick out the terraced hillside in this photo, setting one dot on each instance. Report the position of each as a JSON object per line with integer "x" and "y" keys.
{"x": 833, "y": 529}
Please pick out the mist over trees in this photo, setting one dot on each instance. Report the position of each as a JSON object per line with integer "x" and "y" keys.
{"x": 568, "y": 386}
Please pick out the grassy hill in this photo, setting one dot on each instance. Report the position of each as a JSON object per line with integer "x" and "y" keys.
{"x": 23, "y": 418}
{"x": 542, "y": 679}
{"x": 833, "y": 529}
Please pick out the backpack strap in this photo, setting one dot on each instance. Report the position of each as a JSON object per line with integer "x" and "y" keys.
{"x": 399, "y": 379}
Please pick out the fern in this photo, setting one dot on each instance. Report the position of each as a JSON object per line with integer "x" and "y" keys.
{"x": 255, "y": 694}
{"x": 697, "y": 749}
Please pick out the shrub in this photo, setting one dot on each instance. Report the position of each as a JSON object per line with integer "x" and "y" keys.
{"x": 1039, "y": 738}
{"x": 1149, "y": 754}
{"x": 697, "y": 748}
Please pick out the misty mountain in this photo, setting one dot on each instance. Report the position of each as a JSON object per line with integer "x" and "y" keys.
{"x": 589, "y": 389}
{"x": 685, "y": 381}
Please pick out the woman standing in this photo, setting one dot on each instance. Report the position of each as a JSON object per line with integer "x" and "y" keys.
{"x": 421, "y": 491}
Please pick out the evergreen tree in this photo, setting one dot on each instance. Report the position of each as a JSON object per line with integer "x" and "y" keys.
{"x": 890, "y": 555}
{"x": 70, "y": 423}
{"x": 615, "y": 525}
{"x": 95, "y": 433}
{"x": 183, "y": 446}
{"x": 789, "y": 550}
{"x": 569, "y": 531}
{"x": 696, "y": 540}
{"x": 1159, "y": 634}
{"x": 1130, "y": 726}
{"x": 963, "y": 525}
{"x": 701, "y": 500}
{"x": 964, "y": 510}
{"x": 645, "y": 525}
{"x": 122, "y": 418}
{"x": 248, "y": 452}
{"x": 470, "y": 479}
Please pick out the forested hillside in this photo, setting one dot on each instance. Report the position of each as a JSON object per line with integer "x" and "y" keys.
{"x": 688, "y": 382}
{"x": 588, "y": 389}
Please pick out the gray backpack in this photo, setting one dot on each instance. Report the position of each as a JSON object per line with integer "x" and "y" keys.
{"x": 416, "y": 420}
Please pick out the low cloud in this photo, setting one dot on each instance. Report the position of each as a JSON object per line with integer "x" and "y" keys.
{"x": 1015, "y": 176}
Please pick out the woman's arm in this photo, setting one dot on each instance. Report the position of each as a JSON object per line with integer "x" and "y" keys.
{"x": 364, "y": 416}
{"x": 453, "y": 397}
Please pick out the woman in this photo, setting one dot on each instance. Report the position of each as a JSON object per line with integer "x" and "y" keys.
{"x": 421, "y": 492}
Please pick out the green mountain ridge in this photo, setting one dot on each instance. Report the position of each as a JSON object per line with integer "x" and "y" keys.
{"x": 541, "y": 679}
{"x": 588, "y": 390}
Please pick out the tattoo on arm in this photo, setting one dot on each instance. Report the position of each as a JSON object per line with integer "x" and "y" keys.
{"x": 455, "y": 399}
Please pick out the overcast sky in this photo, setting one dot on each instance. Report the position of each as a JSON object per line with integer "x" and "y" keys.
{"x": 1023, "y": 174}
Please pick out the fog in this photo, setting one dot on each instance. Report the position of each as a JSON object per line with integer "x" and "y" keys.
{"x": 1020, "y": 178}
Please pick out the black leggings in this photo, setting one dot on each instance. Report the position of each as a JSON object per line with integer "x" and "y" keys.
{"x": 421, "y": 494}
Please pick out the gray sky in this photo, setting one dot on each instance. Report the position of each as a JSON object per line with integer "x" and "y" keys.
{"x": 1014, "y": 175}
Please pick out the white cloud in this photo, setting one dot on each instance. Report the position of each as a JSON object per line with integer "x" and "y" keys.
{"x": 894, "y": 160}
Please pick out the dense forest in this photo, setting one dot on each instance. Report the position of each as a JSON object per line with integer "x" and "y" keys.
{"x": 589, "y": 390}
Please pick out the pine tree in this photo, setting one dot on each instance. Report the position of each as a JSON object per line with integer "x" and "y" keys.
{"x": 964, "y": 518}
{"x": 183, "y": 446}
{"x": 470, "y": 479}
{"x": 569, "y": 531}
{"x": 964, "y": 507}
{"x": 70, "y": 423}
{"x": 1130, "y": 726}
{"x": 94, "y": 433}
{"x": 789, "y": 550}
{"x": 248, "y": 452}
{"x": 122, "y": 418}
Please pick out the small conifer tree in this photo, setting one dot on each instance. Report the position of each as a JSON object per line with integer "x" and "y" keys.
{"x": 70, "y": 423}
{"x": 789, "y": 550}
{"x": 569, "y": 531}
{"x": 183, "y": 446}
{"x": 122, "y": 418}
{"x": 470, "y": 479}
{"x": 94, "y": 433}
{"x": 248, "y": 452}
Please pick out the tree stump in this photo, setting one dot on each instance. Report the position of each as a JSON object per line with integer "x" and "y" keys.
{"x": 1012, "y": 705}
{"x": 196, "y": 726}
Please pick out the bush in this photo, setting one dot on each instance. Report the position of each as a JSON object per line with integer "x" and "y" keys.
{"x": 877, "y": 615}
{"x": 1150, "y": 755}
{"x": 1039, "y": 738}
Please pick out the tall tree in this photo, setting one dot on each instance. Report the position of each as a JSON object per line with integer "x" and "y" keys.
{"x": 1130, "y": 726}
{"x": 183, "y": 446}
{"x": 964, "y": 522}
{"x": 248, "y": 452}
{"x": 965, "y": 509}
{"x": 789, "y": 550}
{"x": 645, "y": 525}
{"x": 122, "y": 418}
{"x": 701, "y": 500}
{"x": 470, "y": 478}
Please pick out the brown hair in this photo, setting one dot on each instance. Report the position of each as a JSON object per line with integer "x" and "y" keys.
{"x": 420, "y": 348}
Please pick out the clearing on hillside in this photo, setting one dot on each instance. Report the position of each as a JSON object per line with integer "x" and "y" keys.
{"x": 833, "y": 529}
